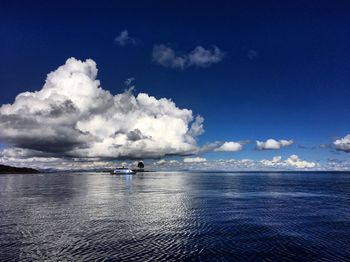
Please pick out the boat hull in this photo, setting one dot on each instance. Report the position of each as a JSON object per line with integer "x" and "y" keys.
{"x": 123, "y": 172}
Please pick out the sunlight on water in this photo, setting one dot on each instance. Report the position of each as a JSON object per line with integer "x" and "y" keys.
{"x": 175, "y": 216}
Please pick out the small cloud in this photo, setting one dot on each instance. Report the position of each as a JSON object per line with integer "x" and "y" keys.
{"x": 229, "y": 147}
{"x": 124, "y": 39}
{"x": 194, "y": 160}
{"x": 343, "y": 144}
{"x": 252, "y": 54}
{"x": 199, "y": 57}
{"x": 271, "y": 144}
{"x": 165, "y": 56}
{"x": 202, "y": 57}
{"x": 160, "y": 162}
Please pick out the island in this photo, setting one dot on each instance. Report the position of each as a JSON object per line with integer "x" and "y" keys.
{"x": 17, "y": 170}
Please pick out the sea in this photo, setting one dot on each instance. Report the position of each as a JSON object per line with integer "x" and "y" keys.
{"x": 175, "y": 216}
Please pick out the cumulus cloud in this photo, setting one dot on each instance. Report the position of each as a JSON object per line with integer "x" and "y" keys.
{"x": 73, "y": 116}
{"x": 295, "y": 161}
{"x": 343, "y": 144}
{"x": 229, "y": 147}
{"x": 194, "y": 160}
{"x": 276, "y": 163}
{"x": 124, "y": 39}
{"x": 20, "y": 157}
{"x": 199, "y": 57}
{"x": 291, "y": 162}
{"x": 276, "y": 160}
{"x": 271, "y": 144}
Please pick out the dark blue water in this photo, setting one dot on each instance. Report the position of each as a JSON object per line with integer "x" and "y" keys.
{"x": 175, "y": 216}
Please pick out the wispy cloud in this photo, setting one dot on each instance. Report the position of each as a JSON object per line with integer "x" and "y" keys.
{"x": 124, "y": 39}
{"x": 199, "y": 57}
{"x": 219, "y": 146}
{"x": 252, "y": 54}
{"x": 128, "y": 82}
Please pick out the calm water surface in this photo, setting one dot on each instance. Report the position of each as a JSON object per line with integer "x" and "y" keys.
{"x": 175, "y": 216}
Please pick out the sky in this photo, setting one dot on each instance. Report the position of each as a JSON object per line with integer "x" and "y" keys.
{"x": 178, "y": 84}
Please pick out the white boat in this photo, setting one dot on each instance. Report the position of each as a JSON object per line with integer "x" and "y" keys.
{"x": 122, "y": 171}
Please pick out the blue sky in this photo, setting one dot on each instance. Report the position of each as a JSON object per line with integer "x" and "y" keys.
{"x": 284, "y": 73}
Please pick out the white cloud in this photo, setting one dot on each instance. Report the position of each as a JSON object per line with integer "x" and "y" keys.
{"x": 270, "y": 144}
{"x": 276, "y": 163}
{"x": 276, "y": 160}
{"x": 21, "y": 157}
{"x": 229, "y": 147}
{"x": 343, "y": 144}
{"x": 160, "y": 162}
{"x": 295, "y": 161}
{"x": 199, "y": 57}
{"x": 166, "y": 57}
{"x": 72, "y": 115}
{"x": 202, "y": 57}
{"x": 197, "y": 127}
{"x": 124, "y": 39}
{"x": 194, "y": 160}
{"x": 166, "y": 163}
{"x": 337, "y": 164}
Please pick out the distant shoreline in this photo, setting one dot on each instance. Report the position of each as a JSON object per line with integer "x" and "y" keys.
{"x": 5, "y": 169}
{"x": 17, "y": 170}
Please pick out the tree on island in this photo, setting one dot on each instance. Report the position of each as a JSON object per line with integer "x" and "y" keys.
{"x": 140, "y": 165}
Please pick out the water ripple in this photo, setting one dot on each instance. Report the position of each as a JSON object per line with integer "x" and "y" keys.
{"x": 172, "y": 217}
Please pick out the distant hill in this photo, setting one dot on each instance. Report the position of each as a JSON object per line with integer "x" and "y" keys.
{"x": 17, "y": 170}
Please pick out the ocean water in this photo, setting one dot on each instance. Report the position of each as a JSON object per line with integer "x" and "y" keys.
{"x": 175, "y": 217}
